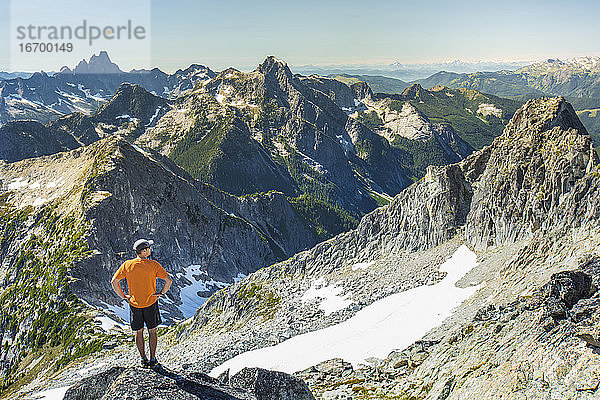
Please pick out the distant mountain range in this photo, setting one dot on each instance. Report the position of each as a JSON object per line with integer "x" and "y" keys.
{"x": 272, "y": 130}
{"x": 44, "y": 97}
{"x": 577, "y": 79}
{"x": 12, "y": 75}
{"x": 409, "y": 72}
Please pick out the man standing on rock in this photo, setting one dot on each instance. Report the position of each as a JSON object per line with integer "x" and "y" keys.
{"x": 141, "y": 274}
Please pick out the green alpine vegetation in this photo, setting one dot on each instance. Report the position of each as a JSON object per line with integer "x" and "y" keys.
{"x": 41, "y": 317}
{"x": 578, "y": 80}
{"x": 322, "y": 218}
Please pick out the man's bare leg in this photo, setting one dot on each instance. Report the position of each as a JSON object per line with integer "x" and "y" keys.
{"x": 139, "y": 342}
{"x": 152, "y": 340}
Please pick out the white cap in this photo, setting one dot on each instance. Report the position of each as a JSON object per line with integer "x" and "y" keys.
{"x": 142, "y": 244}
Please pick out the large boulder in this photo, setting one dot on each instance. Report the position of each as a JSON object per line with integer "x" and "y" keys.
{"x": 93, "y": 387}
{"x": 564, "y": 290}
{"x": 271, "y": 385}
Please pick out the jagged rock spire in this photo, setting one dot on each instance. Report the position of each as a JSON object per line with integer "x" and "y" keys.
{"x": 540, "y": 115}
{"x": 542, "y": 153}
{"x": 273, "y": 65}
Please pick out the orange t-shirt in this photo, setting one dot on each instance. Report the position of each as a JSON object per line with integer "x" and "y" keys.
{"x": 141, "y": 277}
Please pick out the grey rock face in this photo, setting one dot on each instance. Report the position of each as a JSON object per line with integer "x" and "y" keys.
{"x": 543, "y": 152}
{"x": 411, "y": 124}
{"x": 361, "y": 90}
{"x": 424, "y": 215}
{"x": 270, "y": 213}
{"x": 341, "y": 94}
{"x": 94, "y": 387}
{"x": 564, "y": 290}
{"x": 271, "y": 385}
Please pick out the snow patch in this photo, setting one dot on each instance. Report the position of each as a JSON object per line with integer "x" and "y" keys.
{"x": 312, "y": 163}
{"x": 52, "y": 394}
{"x": 91, "y": 370}
{"x": 34, "y": 363}
{"x": 128, "y": 117}
{"x": 144, "y": 152}
{"x": 18, "y": 184}
{"x": 39, "y": 201}
{"x": 347, "y": 146}
{"x": 280, "y": 148}
{"x": 189, "y": 293}
{"x": 154, "y": 116}
{"x": 331, "y": 300}
{"x": 96, "y": 97}
{"x": 107, "y": 323}
{"x": 121, "y": 311}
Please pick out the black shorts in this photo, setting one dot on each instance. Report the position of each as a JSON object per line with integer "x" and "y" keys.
{"x": 149, "y": 315}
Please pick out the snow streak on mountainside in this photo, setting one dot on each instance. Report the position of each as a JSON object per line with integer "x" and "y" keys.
{"x": 393, "y": 322}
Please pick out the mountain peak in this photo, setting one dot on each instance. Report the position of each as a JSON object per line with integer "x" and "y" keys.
{"x": 361, "y": 90}
{"x": 130, "y": 102}
{"x": 273, "y": 64}
{"x": 413, "y": 91}
{"x": 542, "y": 114}
{"x": 98, "y": 64}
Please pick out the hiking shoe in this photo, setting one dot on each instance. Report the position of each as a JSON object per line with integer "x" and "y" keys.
{"x": 153, "y": 362}
{"x": 145, "y": 363}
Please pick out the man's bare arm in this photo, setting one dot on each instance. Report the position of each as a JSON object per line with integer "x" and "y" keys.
{"x": 165, "y": 289}
{"x": 117, "y": 288}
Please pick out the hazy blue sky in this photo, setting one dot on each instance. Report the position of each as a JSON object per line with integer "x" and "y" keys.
{"x": 241, "y": 33}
